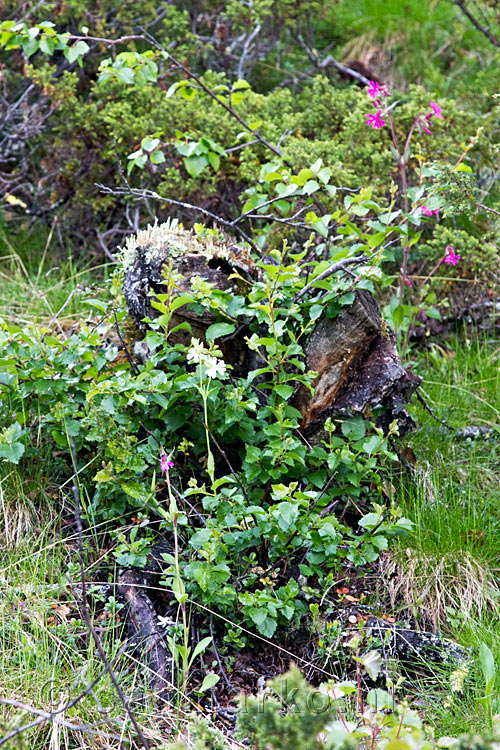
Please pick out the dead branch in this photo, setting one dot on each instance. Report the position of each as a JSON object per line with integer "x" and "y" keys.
{"x": 329, "y": 272}
{"x": 143, "y": 194}
{"x": 483, "y": 29}
{"x": 46, "y": 716}
{"x": 84, "y": 604}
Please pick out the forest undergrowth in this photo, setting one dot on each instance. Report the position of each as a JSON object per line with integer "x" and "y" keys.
{"x": 444, "y": 575}
{"x": 197, "y": 550}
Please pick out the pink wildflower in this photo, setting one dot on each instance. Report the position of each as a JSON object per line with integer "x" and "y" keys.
{"x": 408, "y": 282}
{"x": 429, "y": 212}
{"x": 165, "y": 463}
{"x": 451, "y": 258}
{"x": 374, "y": 90}
{"x": 375, "y": 121}
{"x": 436, "y": 110}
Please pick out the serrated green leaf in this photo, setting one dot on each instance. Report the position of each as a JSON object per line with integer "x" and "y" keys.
{"x": 310, "y": 187}
{"x": 150, "y": 144}
{"x": 195, "y": 165}
{"x": 216, "y": 330}
{"x": 77, "y": 50}
{"x": 12, "y": 452}
{"x": 285, "y": 391}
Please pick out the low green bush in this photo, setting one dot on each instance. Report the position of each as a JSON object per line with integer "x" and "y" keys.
{"x": 253, "y": 497}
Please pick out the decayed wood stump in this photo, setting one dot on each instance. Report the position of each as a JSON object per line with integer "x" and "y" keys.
{"x": 146, "y": 633}
{"x": 358, "y": 369}
{"x": 354, "y": 354}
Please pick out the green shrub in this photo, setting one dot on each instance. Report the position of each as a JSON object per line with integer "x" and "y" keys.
{"x": 241, "y": 529}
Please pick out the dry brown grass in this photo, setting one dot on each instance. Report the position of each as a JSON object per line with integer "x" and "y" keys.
{"x": 430, "y": 585}
{"x": 368, "y": 50}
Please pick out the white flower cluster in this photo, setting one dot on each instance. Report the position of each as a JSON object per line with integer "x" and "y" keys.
{"x": 209, "y": 358}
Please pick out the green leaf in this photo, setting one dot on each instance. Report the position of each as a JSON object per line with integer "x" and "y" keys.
{"x": 103, "y": 476}
{"x": 47, "y": 45}
{"x": 462, "y": 168}
{"x": 150, "y": 144}
{"x": 134, "y": 489}
{"x": 200, "y": 537}
{"x": 200, "y": 647}
{"x": 315, "y": 311}
{"x": 372, "y": 662}
{"x": 398, "y": 316}
{"x": 374, "y": 240}
{"x": 12, "y": 452}
{"x": 272, "y": 176}
{"x": 211, "y": 679}
{"x": 370, "y": 521}
{"x": 161, "y": 400}
{"x": 310, "y": 187}
{"x": 214, "y": 160}
{"x": 285, "y": 190}
{"x": 77, "y": 50}
{"x": 265, "y": 625}
{"x": 240, "y": 85}
{"x": 372, "y": 443}
{"x": 302, "y": 177}
{"x": 287, "y": 514}
{"x": 379, "y": 699}
{"x": 195, "y": 164}
{"x": 30, "y": 46}
{"x": 354, "y": 428}
{"x": 324, "y": 174}
{"x": 180, "y": 301}
{"x": 487, "y": 661}
{"x": 157, "y": 157}
{"x": 285, "y": 391}
{"x": 217, "y": 330}
{"x": 125, "y": 75}
{"x": 187, "y": 92}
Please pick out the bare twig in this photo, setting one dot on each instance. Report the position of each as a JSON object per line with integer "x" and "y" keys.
{"x": 329, "y": 272}
{"x": 45, "y": 716}
{"x": 143, "y": 194}
{"x": 483, "y": 29}
{"x": 246, "y": 214}
{"x": 429, "y": 410}
{"x": 219, "y": 661}
{"x": 107, "y": 252}
{"x": 213, "y": 96}
{"x": 78, "y": 288}
{"x": 246, "y": 49}
{"x": 233, "y": 472}
{"x": 242, "y": 145}
{"x": 487, "y": 208}
{"x": 329, "y": 60}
